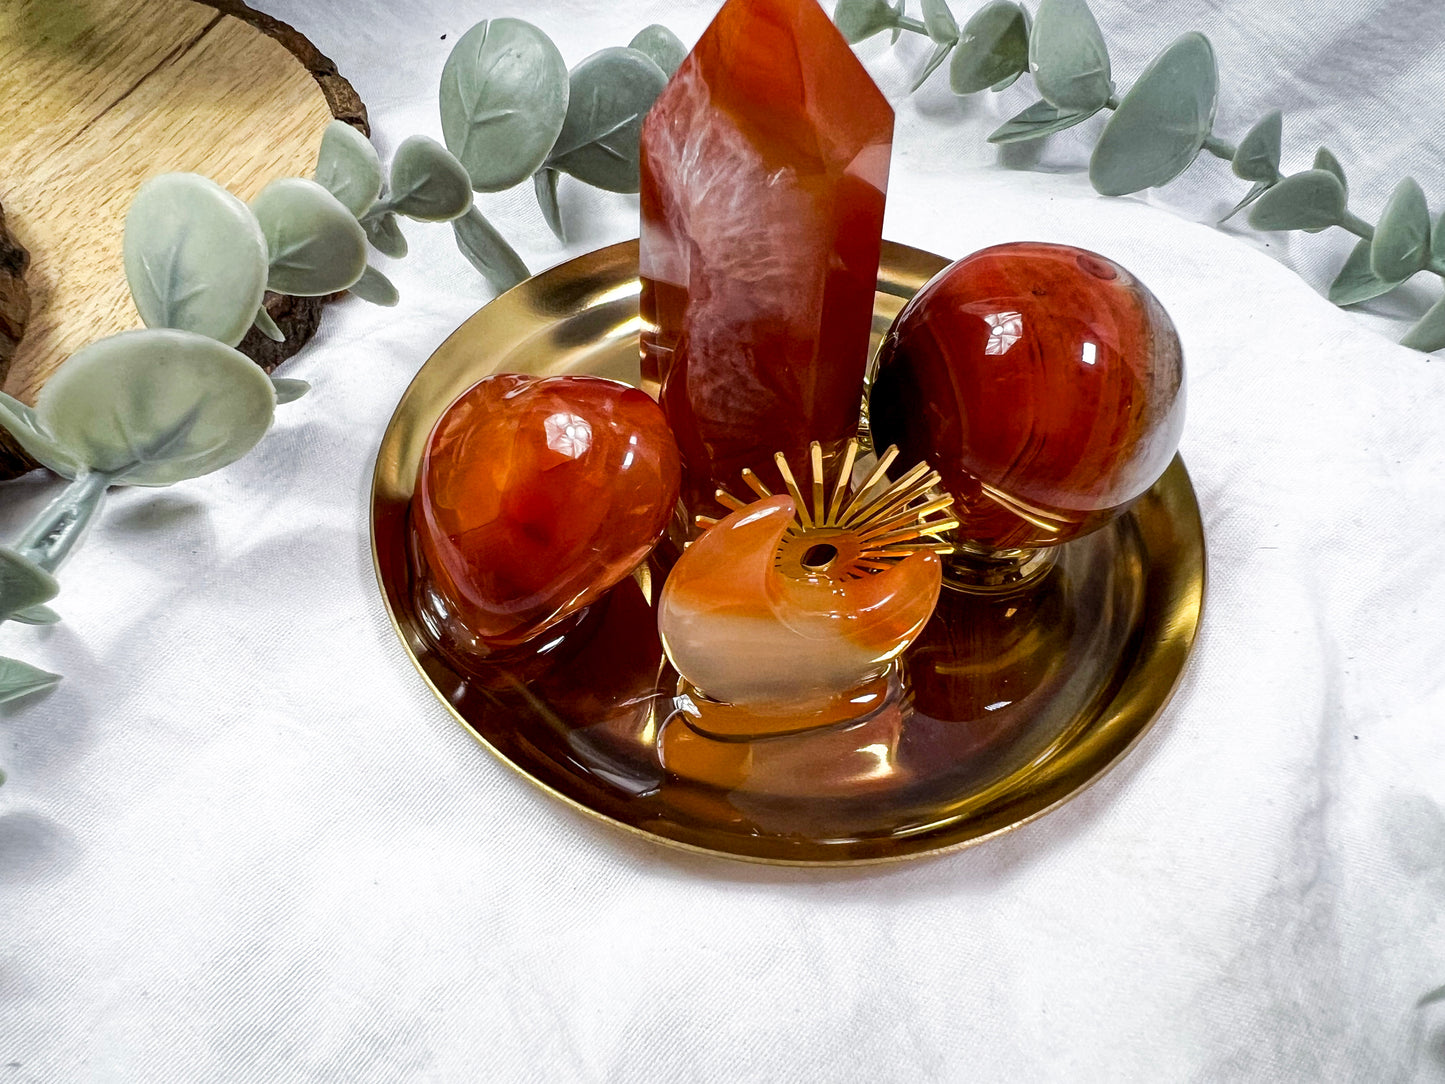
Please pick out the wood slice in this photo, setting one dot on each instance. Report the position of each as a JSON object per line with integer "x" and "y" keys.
{"x": 101, "y": 95}
{"x": 14, "y": 315}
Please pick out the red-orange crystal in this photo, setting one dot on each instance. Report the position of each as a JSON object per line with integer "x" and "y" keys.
{"x": 536, "y": 495}
{"x": 764, "y": 168}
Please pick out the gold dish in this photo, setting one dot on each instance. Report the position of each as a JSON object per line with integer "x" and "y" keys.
{"x": 1009, "y": 705}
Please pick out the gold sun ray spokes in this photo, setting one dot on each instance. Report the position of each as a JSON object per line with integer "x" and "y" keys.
{"x": 841, "y": 531}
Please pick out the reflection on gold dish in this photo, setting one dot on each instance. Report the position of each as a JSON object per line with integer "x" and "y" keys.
{"x": 1003, "y": 707}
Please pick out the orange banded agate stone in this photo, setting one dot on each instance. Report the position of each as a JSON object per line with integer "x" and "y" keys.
{"x": 745, "y": 632}
{"x": 536, "y": 495}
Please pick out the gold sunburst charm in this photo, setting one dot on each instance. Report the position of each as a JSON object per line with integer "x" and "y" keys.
{"x": 842, "y": 533}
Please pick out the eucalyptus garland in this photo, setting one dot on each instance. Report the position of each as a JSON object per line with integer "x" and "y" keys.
{"x": 1159, "y": 127}
{"x": 175, "y": 399}
{"x": 512, "y": 112}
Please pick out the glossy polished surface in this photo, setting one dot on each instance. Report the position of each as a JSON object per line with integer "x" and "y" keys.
{"x": 764, "y": 168}
{"x": 744, "y": 631}
{"x": 1043, "y": 382}
{"x": 536, "y": 495}
{"x": 989, "y": 720}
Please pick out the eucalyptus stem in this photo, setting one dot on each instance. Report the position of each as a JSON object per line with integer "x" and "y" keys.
{"x": 903, "y": 22}
{"x": 1358, "y": 226}
{"x": 62, "y": 523}
{"x": 1220, "y": 148}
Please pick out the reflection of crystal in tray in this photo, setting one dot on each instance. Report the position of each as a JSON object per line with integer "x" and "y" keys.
{"x": 1004, "y": 706}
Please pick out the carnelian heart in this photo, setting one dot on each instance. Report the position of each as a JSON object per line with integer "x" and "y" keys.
{"x": 535, "y": 496}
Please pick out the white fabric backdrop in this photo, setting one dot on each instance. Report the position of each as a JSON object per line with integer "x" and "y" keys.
{"x": 243, "y": 842}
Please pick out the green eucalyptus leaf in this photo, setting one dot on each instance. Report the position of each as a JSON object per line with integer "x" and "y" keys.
{"x": 1004, "y": 84}
{"x": 267, "y": 326}
{"x": 427, "y": 182}
{"x": 1431, "y": 998}
{"x": 1301, "y": 201}
{"x": 939, "y": 21}
{"x": 858, "y": 20}
{"x": 19, "y": 679}
{"x": 937, "y": 57}
{"x": 897, "y": 31}
{"x": 503, "y": 99}
{"x": 385, "y": 235}
{"x": 1158, "y": 129}
{"x": 194, "y": 256}
{"x": 156, "y": 406}
{"x": 36, "y": 615}
{"x": 1429, "y": 334}
{"x": 1068, "y": 57}
{"x": 993, "y": 49}
{"x": 21, "y": 423}
{"x": 1357, "y": 280}
{"x": 316, "y": 245}
{"x": 1256, "y": 190}
{"x": 488, "y": 251}
{"x": 1257, "y": 158}
{"x": 348, "y": 167}
{"x": 611, "y": 92}
{"x": 23, "y": 584}
{"x": 1437, "y": 239}
{"x": 1402, "y": 239}
{"x": 662, "y": 45}
{"x": 1328, "y": 162}
{"x": 544, "y": 183}
{"x": 288, "y": 390}
{"x": 375, "y": 287}
{"x": 1038, "y": 120}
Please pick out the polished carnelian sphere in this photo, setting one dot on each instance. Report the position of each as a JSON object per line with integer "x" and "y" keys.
{"x": 1044, "y": 383}
{"x": 535, "y": 496}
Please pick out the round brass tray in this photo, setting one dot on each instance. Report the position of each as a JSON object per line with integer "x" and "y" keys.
{"x": 1005, "y": 708}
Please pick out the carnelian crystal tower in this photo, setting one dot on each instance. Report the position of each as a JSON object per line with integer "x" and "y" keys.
{"x": 764, "y": 169}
